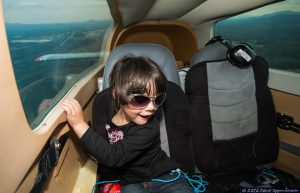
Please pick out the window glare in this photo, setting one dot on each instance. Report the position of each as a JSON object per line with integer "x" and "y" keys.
{"x": 272, "y": 31}
{"x": 53, "y": 44}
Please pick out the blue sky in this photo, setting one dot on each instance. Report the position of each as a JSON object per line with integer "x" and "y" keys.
{"x": 54, "y": 11}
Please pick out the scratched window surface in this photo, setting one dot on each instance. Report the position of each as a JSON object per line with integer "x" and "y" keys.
{"x": 53, "y": 44}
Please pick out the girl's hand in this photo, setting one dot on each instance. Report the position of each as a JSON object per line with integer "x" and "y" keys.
{"x": 75, "y": 116}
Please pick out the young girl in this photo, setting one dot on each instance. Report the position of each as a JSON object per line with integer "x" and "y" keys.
{"x": 132, "y": 153}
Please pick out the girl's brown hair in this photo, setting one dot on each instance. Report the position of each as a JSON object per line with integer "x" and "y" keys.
{"x": 135, "y": 75}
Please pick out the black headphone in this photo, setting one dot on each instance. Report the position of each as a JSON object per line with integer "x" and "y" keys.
{"x": 240, "y": 55}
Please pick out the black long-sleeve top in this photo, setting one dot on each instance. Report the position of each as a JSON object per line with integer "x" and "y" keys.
{"x": 130, "y": 153}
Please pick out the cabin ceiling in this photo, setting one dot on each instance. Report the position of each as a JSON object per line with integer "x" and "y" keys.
{"x": 194, "y": 12}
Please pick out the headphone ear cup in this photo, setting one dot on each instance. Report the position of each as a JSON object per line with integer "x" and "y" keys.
{"x": 241, "y": 55}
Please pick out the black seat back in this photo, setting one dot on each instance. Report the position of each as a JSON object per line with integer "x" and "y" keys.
{"x": 233, "y": 118}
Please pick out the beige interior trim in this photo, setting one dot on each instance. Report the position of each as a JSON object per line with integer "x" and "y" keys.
{"x": 288, "y": 104}
{"x": 204, "y": 12}
{"x": 177, "y": 36}
{"x": 71, "y": 161}
{"x": 288, "y": 162}
{"x": 171, "y": 9}
{"x": 289, "y": 137}
{"x": 114, "y": 36}
{"x": 131, "y": 10}
{"x": 193, "y": 11}
{"x": 284, "y": 81}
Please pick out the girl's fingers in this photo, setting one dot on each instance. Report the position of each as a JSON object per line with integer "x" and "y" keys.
{"x": 68, "y": 107}
{"x": 75, "y": 116}
{"x": 65, "y": 108}
{"x": 76, "y": 108}
{"x": 75, "y": 103}
{"x": 71, "y": 106}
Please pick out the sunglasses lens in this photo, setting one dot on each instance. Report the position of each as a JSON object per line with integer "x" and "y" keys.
{"x": 140, "y": 101}
{"x": 160, "y": 99}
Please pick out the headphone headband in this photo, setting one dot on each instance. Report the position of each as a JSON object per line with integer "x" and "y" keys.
{"x": 240, "y": 55}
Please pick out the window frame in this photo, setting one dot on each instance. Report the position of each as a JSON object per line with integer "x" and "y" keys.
{"x": 285, "y": 81}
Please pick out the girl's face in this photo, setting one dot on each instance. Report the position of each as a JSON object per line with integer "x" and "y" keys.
{"x": 139, "y": 115}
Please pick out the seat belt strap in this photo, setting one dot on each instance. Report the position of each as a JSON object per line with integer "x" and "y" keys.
{"x": 47, "y": 162}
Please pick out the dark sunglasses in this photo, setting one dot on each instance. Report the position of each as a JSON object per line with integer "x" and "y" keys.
{"x": 139, "y": 101}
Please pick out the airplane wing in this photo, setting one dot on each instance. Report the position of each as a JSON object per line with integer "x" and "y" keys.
{"x": 66, "y": 56}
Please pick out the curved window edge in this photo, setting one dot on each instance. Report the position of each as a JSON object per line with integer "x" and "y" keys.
{"x": 79, "y": 90}
{"x": 69, "y": 86}
{"x": 45, "y": 124}
{"x": 284, "y": 81}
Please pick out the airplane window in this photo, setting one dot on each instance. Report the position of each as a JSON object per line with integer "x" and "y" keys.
{"x": 273, "y": 32}
{"x": 53, "y": 44}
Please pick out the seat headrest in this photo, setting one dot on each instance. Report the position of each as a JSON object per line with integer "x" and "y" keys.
{"x": 211, "y": 52}
{"x": 238, "y": 54}
{"x": 159, "y": 54}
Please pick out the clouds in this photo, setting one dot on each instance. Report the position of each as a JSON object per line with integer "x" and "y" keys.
{"x": 54, "y": 11}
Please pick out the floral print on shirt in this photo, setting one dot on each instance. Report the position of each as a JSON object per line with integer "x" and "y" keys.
{"x": 113, "y": 136}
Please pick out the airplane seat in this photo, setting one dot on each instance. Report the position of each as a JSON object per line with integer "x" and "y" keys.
{"x": 233, "y": 118}
{"x": 182, "y": 74}
{"x": 173, "y": 115}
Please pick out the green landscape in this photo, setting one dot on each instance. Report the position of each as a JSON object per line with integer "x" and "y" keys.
{"x": 275, "y": 37}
